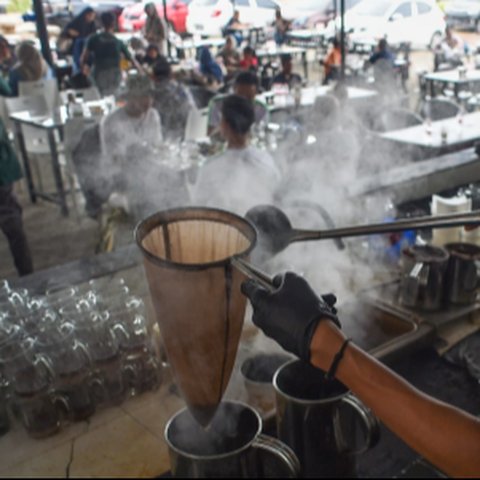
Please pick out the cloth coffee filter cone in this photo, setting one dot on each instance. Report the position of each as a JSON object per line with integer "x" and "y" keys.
{"x": 196, "y": 295}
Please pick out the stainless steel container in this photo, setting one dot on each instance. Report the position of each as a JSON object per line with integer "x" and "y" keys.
{"x": 463, "y": 279}
{"x": 422, "y": 284}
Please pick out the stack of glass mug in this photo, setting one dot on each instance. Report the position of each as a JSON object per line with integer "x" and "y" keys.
{"x": 71, "y": 351}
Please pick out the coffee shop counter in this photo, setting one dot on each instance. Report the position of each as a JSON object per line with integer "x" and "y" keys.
{"x": 127, "y": 440}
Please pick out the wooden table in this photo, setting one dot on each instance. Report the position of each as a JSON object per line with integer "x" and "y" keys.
{"x": 453, "y": 77}
{"x": 442, "y": 136}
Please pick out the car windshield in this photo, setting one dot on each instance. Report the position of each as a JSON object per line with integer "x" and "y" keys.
{"x": 205, "y": 3}
{"x": 373, "y": 8}
{"x": 309, "y": 5}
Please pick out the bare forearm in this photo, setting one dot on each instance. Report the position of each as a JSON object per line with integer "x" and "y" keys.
{"x": 443, "y": 434}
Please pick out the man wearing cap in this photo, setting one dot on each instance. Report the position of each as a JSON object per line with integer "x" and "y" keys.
{"x": 135, "y": 125}
{"x": 131, "y": 139}
{"x": 171, "y": 100}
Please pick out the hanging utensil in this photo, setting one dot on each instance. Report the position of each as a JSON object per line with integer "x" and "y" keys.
{"x": 275, "y": 232}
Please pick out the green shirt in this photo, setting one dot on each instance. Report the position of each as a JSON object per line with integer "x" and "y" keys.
{"x": 106, "y": 50}
{"x": 10, "y": 170}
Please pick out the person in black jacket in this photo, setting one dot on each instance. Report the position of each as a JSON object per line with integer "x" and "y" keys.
{"x": 79, "y": 29}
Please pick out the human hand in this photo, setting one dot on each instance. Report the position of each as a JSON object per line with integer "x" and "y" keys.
{"x": 291, "y": 313}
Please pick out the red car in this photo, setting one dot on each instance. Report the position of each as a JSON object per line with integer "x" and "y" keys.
{"x": 133, "y": 17}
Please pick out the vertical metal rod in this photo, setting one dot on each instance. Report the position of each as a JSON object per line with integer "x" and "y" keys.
{"x": 342, "y": 38}
{"x": 42, "y": 31}
{"x": 167, "y": 27}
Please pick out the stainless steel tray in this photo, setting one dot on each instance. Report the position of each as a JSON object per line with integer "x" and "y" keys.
{"x": 388, "y": 330}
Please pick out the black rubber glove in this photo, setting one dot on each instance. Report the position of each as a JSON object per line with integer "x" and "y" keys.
{"x": 291, "y": 313}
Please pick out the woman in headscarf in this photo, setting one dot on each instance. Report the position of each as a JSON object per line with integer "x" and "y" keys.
{"x": 79, "y": 29}
{"x": 30, "y": 66}
{"x": 209, "y": 67}
{"x": 154, "y": 31}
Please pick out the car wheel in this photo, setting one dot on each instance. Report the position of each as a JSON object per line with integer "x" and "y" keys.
{"x": 435, "y": 40}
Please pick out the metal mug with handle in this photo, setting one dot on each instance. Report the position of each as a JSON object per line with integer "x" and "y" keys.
{"x": 423, "y": 279}
{"x": 463, "y": 274}
{"x": 320, "y": 419}
{"x": 232, "y": 446}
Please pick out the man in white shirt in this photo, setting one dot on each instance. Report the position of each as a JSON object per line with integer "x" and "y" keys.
{"x": 243, "y": 176}
{"x": 246, "y": 86}
{"x": 131, "y": 139}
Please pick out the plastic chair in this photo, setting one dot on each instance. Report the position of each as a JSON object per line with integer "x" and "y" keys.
{"x": 395, "y": 119}
{"x": 36, "y": 141}
{"x": 48, "y": 88}
{"x": 73, "y": 133}
{"x": 197, "y": 124}
{"x": 201, "y": 96}
{"x": 439, "y": 109}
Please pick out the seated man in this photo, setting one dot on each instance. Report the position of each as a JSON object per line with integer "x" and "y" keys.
{"x": 230, "y": 57}
{"x": 382, "y": 53}
{"x": 286, "y": 76}
{"x": 246, "y": 86}
{"x": 171, "y": 100}
{"x": 451, "y": 50}
{"x": 131, "y": 138}
{"x": 242, "y": 176}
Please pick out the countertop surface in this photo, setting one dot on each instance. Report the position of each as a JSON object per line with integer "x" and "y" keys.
{"x": 128, "y": 440}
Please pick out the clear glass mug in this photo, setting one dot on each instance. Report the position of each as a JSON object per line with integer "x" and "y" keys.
{"x": 70, "y": 363}
{"x": 4, "y": 290}
{"x": 40, "y": 318}
{"x": 41, "y": 410}
{"x": 140, "y": 360}
{"x": 94, "y": 330}
{"x": 62, "y": 297}
{"x": 28, "y": 377}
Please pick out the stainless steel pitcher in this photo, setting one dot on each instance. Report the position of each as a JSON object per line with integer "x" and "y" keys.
{"x": 321, "y": 421}
{"x": 463, "y": 277}
{"x": 422, "y": 284}
{"x": 232, "y": 446}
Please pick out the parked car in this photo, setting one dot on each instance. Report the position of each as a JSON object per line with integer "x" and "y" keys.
{"x": 314, "y": 13}
{"x": 133, "y": 17}
{"x": 420, "y": 23}
{"x": 463, "y": 14}
{"x": 60, "y": 12}
{"x": 209, "y": 17}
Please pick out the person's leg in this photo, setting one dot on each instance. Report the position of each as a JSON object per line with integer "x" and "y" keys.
{"x": 12, "y": 226}
{"x": 78, "y": 45}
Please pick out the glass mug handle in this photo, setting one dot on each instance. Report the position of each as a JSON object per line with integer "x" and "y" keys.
{"x": 46, "y": 363}
{"x": 369, "y": 419}
{"x": 273, "y": 446}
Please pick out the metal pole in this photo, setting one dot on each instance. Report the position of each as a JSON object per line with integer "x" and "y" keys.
{"x": 42, "y": 31}
{"x": 166, "y": 27}
{"x": 342, "y": 38}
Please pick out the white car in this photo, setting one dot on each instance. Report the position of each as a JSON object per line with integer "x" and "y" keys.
{"x": 209, "y": 17}
{"x": 420, "y": 22}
